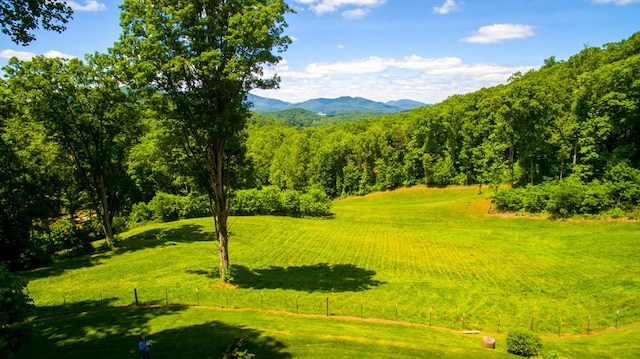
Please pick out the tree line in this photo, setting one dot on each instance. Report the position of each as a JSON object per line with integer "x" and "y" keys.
{"x": 577, "y": 119}
{"x": 83, "y": 155}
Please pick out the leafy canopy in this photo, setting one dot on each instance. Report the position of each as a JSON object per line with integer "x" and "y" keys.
{"x": 20, "y": 17}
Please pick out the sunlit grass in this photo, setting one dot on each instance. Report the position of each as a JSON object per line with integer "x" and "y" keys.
{"x": 425, "y": 256}
{"x": 188, "y": 332}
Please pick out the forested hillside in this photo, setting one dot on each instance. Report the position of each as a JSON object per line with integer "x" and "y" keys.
{"x": 578, "y": 118}
{"x": 82, "y": 155}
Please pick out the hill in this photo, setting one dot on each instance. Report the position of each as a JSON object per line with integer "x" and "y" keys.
{"x": 334, "y": 107}
{"x": 413, "y": 247}
{"x": 421, "y": 257}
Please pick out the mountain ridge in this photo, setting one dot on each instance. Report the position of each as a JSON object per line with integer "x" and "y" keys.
{"x": 336, "y": 106}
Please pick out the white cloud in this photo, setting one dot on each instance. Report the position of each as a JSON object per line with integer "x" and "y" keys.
{"x": 616, "y": 2}
{"x": 26, "y": 56}
{"x": 429, "y": 80}
{"x": 328, "y": 6}
{"x": 499, "y": 33}
{"x": 447, "y": 7}
{"x": 89, "y": 5}
{"x": 54, "y": 53}
{"x": 355, "y": 14}
{"x": 341, "y": 46}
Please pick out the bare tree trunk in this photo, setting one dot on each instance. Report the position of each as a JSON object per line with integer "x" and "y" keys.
{"x": 223, "y": 245}
{"x": 105, "y": 218}
{"x": 219, "y": 187}
{"x": 512, "y": 155}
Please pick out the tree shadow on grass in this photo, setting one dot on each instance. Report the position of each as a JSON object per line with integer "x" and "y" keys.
{"x": 151, "y": 238}
{"x": 114, "y": 332}
{"x": 321, "y": 277}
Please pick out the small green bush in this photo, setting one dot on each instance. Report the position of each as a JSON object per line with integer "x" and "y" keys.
{"x": 234, "y": 351}
{"x": 194, "y": 206}
{"x": 272, "y": 200}
{"x": 140, "y": 213}
{"x": 509, "y": 200}
{"x": 523, "y": 343}
{"x": 165, "y": 207}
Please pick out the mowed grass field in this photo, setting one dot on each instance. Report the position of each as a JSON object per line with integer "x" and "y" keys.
{"x": 424, "y": 257}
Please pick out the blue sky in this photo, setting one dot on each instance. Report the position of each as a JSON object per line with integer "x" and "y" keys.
{"x": 425, "y": 50}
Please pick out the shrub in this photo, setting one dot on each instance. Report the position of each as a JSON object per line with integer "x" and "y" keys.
{"x": 15, "y": 306}
{"x": 194, "y": 206}
{"x": 535, "y": 198}
{"x": 165, "y": 207}
{"x": 509, "y": 200}
{"x": 140, "y": 213}
{"x": 245, "y": 202}
{"x": 290, "y": 202}
{"x": 274, "y": 201}
{"x": 234, "y": 351}
{"x": 523, "y": 343}
{"x": 315, "y": 203}
{"x": 596, "y": 198}
{"x": 566, "y": 198}
{"x": 269, "y": 201}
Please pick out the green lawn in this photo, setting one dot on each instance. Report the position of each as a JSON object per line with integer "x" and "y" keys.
{"x": 423, "y": 256}
{"x": 199, "y": 332}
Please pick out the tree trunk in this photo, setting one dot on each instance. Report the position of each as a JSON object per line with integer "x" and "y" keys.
{"x": 105, "y": 218}
{"x": 217, "y": 181}
{"x": 223, "y": 245}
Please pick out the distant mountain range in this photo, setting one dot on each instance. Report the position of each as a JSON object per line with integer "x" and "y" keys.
{"x": 333, "y": 107}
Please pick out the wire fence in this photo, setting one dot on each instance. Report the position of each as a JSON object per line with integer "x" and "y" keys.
{"x": 332, "y": 304}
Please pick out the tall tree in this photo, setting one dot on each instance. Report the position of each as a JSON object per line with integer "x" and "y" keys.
{"x": 86, "y": 112}
{"x": 202, "y": 58}
{"x": 20, "y": 17}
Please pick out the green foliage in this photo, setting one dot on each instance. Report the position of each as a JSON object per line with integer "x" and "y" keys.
{"x": 551, "y": 355}
{"x": 81, "y": 107}
{"x": 140, "y": 213}
{"x": 272, "y": 200}
{"x": 21, "y": 17}
{"x": 234, "y": 351}
{"x": 165, "y": 207}
{"x": 616, "y": 194}
{"x": 15, "y": 307}
{"x": 523, "y": 343}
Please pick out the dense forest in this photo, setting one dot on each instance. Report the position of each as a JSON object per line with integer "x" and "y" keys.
{"x": 574, "y": 121}
{"x": 565, "y": 137}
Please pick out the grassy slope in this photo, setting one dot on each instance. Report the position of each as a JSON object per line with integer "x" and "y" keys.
{"x": 417, "y": 249}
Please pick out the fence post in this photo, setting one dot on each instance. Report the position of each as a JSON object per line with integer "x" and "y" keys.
{"x": 361, "y": 310}
{"x": 198, "y": 296}
{"x": 166, "y": 296}
{"x": 327, "y": 306}
{"x": 135, "y": 294}
{"x": 531, "y": 325}
{"x": 396, "y": 312}
{"x": 617, "y": 314}
{"x": 589, "y": 326}
{"x": 560, "y": 327}
{"x": 430, "y": 311}
{"x": 297, "y": 304}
